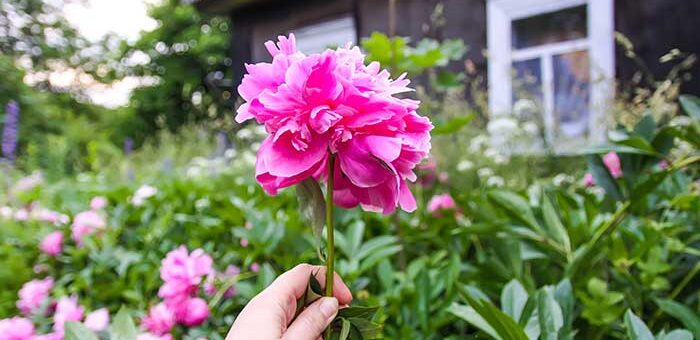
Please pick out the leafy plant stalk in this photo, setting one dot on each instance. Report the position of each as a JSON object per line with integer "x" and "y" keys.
{"x": 330, "y": 244}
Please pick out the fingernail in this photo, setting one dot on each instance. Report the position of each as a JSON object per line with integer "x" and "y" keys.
{"x": 329, "y": 306}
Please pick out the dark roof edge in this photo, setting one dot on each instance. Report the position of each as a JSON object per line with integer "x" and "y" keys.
{"x": 224, "y": 7}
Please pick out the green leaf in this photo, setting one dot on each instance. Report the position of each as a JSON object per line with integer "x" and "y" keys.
{"x": 646, "y": 127}
{"x": 513, "y": 299}
{"x": 452, "y": 125}
{"x": 554, "y": 225}
{"x": 603, "y": 149}
{"x": 313, "y": 292}
{"x": 690, "y": 319}
{"x": 122, "y": 327}
{"x": 654, "y": 180}
{"x": 501, "y": 323}
{"x": 77, "y": 331}
{"x": 345, "y": 329}
{"x": 446, "y": 80}
{"x": 312, "y": 207}
{"x": 363, "y": 312}
{"x": 563, "y": 293}
{"x": 549, "y": 314}
{"x": 602, "y": 177}
{"x": 678, "y": 334}
{"x": 691, "y": 105}
{"x": 468, "y": 314}
{"x": 636, "y": 329}
{"x": 516, "y": 207}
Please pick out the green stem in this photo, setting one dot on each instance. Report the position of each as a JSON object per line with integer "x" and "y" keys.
{"x": 330, "y": 243}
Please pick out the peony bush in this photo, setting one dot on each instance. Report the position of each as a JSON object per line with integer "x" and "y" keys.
{"x": 609, "y": 252}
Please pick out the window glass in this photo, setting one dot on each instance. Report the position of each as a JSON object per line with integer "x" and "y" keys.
{"x": 572, "y": 85}
{"x": 567, "y": 24}
{"x": 527, "y": 81}
{"x": 328, "y": 34}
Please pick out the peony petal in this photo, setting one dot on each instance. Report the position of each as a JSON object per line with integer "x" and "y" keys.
{"x": 361, "y": 168}
{"x": 288, "y": 161}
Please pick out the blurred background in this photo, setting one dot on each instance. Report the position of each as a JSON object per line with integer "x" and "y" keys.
{"x": 133, "y": 101}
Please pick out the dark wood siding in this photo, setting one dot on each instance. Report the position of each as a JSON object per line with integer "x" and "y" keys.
{"x": 654, "y": 26}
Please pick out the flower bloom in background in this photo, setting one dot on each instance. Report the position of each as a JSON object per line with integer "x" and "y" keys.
{"x": 50, "y": 216}
{"x": 97, "y": 320}
{"x": 193, "y": 312}
{"x": 10, "y": 130}
{"x": 588, "y": 180}
{"x": 85, "y": 223}
{"x": 612, "y": 162}
{"x": 52, "y": 244}
{"x": 255, "y": 267}
{"x": 67, "y": 309}
{"x": 159, "y": 320}
{"x": 22, "y": 215}
{"x": 33, "y": 294}
{"x": 16, "y": 328}
{"x": 28, "y": 183}
{"x": 440, "y": 203}
{"x": 142, "y": 194}
{"x": 332, "y": 101}
{"x": 98, "y": 202}
{"x": 182, "y": 272}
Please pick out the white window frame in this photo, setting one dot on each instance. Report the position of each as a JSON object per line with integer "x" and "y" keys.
{"x": 599, "y": 42}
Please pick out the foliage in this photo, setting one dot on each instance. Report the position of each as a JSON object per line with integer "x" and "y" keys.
{"x": 562, "y": 261}
{"x": 186, "y": 58}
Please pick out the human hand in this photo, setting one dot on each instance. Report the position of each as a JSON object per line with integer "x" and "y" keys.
{"x": 269, "y": 314}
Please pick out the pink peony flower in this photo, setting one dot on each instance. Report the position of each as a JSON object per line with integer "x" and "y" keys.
{"x": 439, "y": 203}
{"x": 244, "y": 242}
{"x": 612, "y": 162}
{"x": 85, "y": 223}
{"x": 98, "y": 202}
{"x": 97, "y": 320}
{"x": 67, "y": 309}
{"x": 159, "y": 320}
{"x": 588, "y": 180}
{"x": 52, "y": 244}
{"x": 182, "y": 272}
{"x": 333, "y": 102}
{"x": 33, "y": 294}
{"x": 193, "y": 312}
{"x": 16, "y": 328}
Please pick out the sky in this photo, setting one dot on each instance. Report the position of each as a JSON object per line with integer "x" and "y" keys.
{"x": 125, "y": 18}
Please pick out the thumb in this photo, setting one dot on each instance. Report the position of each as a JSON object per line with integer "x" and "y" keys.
{"x": 313, "y": 320}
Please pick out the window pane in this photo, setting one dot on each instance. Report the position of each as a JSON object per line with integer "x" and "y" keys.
{"x": 318, "y": 37}
{"x": 527, "y": 83}
{"x": 571, "y": 93}
{"x": 568, "y": 24}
